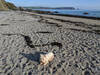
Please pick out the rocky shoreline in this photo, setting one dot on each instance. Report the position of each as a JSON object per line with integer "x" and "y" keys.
{"x": 58, "y": 14}
{"x": 75, "y": 43}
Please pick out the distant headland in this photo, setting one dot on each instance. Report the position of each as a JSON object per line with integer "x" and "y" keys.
{"x": 71, "y": 8}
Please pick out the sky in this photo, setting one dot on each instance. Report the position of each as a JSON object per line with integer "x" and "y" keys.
{"x": 82, "y": 4}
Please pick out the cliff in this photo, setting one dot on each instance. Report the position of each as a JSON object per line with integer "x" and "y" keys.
{"x": 11, "y": 6}
{"x": 6, "y": 5}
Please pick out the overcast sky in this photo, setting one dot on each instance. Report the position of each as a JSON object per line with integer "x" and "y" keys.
{"x": 84, "y": 4}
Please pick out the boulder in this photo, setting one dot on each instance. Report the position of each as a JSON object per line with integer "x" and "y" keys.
{"x": 85, "y": 13}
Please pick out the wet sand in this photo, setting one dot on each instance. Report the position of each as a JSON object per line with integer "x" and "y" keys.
{"x": 75, "y": 43}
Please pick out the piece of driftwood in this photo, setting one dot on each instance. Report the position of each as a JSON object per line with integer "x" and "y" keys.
{"x": 46, "y": 58}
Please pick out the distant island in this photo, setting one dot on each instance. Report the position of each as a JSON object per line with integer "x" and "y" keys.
{"x": 71, "y": 8}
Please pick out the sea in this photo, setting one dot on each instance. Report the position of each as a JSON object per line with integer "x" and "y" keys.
{"x": 87, "y": 13}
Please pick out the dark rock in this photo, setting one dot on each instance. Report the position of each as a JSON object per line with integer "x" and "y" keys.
{"x": 30, "y": 73}
{"x": 86, "y": 73}
{"x": 21, "y": 8}
{"x": 56, "y": 12}
{"x": 85, "y": 13}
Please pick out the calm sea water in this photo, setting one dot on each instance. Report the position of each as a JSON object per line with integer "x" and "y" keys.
{"x": 91, "y": 13}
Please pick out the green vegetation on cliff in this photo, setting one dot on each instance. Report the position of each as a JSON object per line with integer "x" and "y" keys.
{"x": 6, "y": 5}
{"x": 11, "y": 6}
{"x": 3, "y": 5}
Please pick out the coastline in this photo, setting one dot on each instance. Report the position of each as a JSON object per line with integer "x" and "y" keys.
{"x": 74, "y": 41}
{"x": 58, "y": 14}
{"x": 94, "y": 18}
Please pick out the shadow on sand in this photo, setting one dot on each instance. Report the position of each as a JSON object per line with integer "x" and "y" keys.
{"x": 33, "y": 57}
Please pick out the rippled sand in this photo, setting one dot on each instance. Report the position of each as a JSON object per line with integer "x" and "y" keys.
{"x": 24, "y": 36}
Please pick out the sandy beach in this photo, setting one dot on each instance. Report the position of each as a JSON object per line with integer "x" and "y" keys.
{"x": 75, "y": 43}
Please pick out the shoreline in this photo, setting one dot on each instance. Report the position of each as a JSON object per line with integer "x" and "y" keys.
{"x": 94, "y": 18}
{"x": 68, "y": 15}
